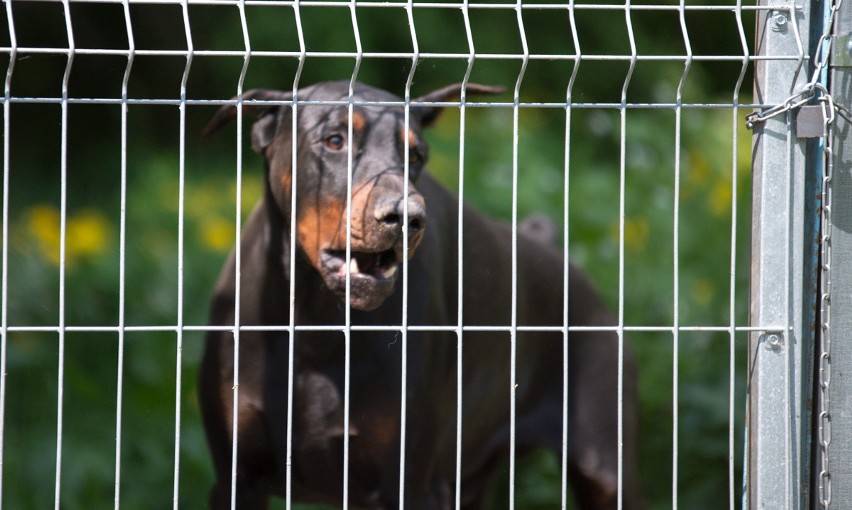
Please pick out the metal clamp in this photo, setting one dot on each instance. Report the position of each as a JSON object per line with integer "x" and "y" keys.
{"x": 772, "y": 340}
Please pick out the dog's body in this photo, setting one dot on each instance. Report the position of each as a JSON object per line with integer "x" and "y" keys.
{"x": 375, "y": 373}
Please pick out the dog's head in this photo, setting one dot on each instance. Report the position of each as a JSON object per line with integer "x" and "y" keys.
{"x": 331, "y": 139}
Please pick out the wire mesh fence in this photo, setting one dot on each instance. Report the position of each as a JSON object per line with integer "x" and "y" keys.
{"x": 624, "y": 124}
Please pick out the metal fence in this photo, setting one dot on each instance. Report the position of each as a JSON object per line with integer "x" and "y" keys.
{"x": 628, "y": 124}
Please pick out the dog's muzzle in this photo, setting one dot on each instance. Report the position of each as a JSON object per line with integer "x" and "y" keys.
{"x": 372, "y": 267}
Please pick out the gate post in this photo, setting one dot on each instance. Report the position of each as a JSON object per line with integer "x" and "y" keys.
{"x": 783, "y": 267}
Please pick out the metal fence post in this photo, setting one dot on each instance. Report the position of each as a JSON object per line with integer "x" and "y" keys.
{"x": 783, "y": 274}
{"x": 839, "y": 448}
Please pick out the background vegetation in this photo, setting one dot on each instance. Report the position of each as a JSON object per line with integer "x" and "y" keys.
{"x": 154, "y": 286}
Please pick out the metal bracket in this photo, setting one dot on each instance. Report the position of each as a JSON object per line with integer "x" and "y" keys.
{"x": 841, "y": 54}
{"x": 810, "y": 122}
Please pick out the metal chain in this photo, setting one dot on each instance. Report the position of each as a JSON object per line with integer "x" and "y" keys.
{"x": 809, "y": 91}
{"x": 824, "y": 422}
{"x": 829, "y": 114}
{"x": 791, "y": 103}
{"x": 823, "y": 47}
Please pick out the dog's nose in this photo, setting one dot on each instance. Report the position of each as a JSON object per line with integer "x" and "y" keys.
{"x": 390, "y": 214}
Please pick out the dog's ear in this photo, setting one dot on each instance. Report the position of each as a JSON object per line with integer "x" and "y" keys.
{"x": 428, "y": 114}
{"x": 263, "y": 130}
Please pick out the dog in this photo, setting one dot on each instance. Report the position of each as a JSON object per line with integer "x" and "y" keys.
{"x": 382, "y": 208}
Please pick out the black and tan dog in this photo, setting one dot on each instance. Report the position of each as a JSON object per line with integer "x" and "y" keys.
{"x": 377, "y": 221}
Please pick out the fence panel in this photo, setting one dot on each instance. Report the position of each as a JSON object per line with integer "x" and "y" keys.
{"x": 625, "y": 123}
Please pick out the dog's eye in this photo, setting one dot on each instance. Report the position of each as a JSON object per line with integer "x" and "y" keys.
{"x": 334, "y": 142}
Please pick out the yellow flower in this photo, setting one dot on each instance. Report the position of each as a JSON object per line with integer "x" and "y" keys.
{"x": 217, "y": 234}
{"x": 203, "y": 199}
{"x": 87, "y": 233}
{"x": 42, "y": 222}
{"x": 636, "y": 232}
{"x": 720, "y": 197}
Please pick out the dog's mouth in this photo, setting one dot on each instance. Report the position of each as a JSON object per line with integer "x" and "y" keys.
{"x": 379, "y": 265}
{"x": 372, "y": 275}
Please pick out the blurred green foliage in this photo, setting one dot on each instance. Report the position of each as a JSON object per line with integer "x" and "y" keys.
{"x": 689, "y": 283}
